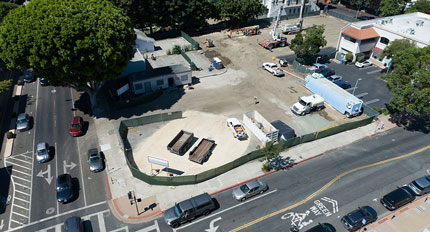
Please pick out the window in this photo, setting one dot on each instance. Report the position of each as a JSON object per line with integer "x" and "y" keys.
{"x": 368, "y": 41}
{"x": 349, "y": 38}
{"x": 160, "y": 82}
{"x": 138, "y": 86}
{"x": 184, "y": 77}
{"x": 384, "y": 40}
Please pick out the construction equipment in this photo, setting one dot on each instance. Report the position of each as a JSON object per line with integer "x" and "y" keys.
{"x": 298, "y": 26}
{"x": 248, "y": 31}
{"x": 209, "y": 43}
{"x": 277, "y": 40}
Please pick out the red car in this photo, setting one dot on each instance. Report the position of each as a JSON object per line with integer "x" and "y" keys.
{"x": 76, "y": 126}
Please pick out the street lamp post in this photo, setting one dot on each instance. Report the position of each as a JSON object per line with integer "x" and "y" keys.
{"x": 317, "y": 59}
{"x": 355, "y": 87}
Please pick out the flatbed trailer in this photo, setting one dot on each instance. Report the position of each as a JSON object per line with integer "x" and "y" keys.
{"x": 202, "y": 151}
{"x": 181, "y": 143}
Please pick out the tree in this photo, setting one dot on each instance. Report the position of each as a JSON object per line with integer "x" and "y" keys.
{"x": 5, "y": 7}
{"x": 420, "y": 6}
{"x": 397, "y": 46}
{"x": 359, "y": 4}
{"x": 4, "y": 85}
{"x": 306, "y": 46}
{"x": 391, "y": 7}
{"x": 239, "y": 11}
{"x": 410, "y": 82}
{"x": 79, "y": 43}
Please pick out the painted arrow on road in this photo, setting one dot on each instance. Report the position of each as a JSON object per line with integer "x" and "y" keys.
{"x": 211, "y": 225}
{"x": 70, "y": 166}
{"x": 333, "y": 202}
{"x": 42, "y": 174}
{"x": 1, "y": 224}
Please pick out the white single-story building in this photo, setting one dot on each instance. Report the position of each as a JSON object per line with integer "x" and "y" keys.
{"x": 370, "y": 37}
{"x": 160, "y": 78}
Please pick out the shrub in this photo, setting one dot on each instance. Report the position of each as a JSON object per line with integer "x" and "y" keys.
{"x": 169, "y": 52}
{"x": 360, "y": 58}
{"x": 349, "y": 56}
{"x": 176, "y": 49}
{"x": 9, "y": 134}
{"x": 378, "y": 109}
{"x": 265, "y": 167}
{"x": 187, "y": 48}
{"x": 20, "y": 82}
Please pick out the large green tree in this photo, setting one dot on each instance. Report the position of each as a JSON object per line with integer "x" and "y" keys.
{"x": 4, "y": 85}
{"x": 420, "y": 6}
{"x": 308, "y": 44}
{"x": 397, "y": 46}
{"x": 5, "y": 7}
{"x": 410, "y": 82}
{"x": 237, "y": 12}
{"x": 79, "y": 43}
{"x": 391, "y": 7}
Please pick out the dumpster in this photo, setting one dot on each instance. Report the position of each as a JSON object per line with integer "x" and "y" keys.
{"x": 217, "y": 63}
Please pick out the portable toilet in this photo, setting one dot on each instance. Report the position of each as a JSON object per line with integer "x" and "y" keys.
{"x": 217, "y": 63}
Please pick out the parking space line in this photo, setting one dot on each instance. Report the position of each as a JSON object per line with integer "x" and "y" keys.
{"x": 361, "y": 95}
{"x": 375, "y": 71}
{"x": 17, "y": 222}
{"x": 18, "y": 165}
{"x": 27, "y": 152}
{"x": 21, "y": 215}
{"x": 25, "y": 200}
{"x": 365, "y": 68}
{"x": 16, "y": 170}
{"x": 24, "y": 186}
{"x": 125, "y": 229}
{"x": 19, "y": 207}
{"x": 22, "y": 192}
{"x": 21, "y": 179}
{"x": 371, "y": 101}
{"x": 21, "y": 160}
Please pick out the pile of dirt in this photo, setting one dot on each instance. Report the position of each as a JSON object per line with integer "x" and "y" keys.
{"x": 212, "y": 53}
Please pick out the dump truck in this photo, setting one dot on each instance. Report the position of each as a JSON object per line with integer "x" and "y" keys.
{"x": 306, "y": 104}
{"x": 260, "y": 127}
{"x": 181, "y": 143}
{"x": 201, "y": 152}
{"x": 338, "y": 98}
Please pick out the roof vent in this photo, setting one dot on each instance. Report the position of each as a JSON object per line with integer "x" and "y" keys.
{"x": 419, "y": 23}
{"x": 410, "y": 31}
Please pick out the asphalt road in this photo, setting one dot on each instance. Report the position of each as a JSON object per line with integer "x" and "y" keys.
{"x": 297, "y": 195}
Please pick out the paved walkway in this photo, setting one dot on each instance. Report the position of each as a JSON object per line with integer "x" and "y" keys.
{"x": 156, "y": 199}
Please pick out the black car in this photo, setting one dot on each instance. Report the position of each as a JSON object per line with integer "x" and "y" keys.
{"x": 43, "y": 81}
{"x": 64, "y": 188}
{"x": 322, "y": 227}
{"x": 359, "y": 218}
{"x": 343, "y": 84}
{"x": 326, "y": 72}
{"x": 398, "y": 198}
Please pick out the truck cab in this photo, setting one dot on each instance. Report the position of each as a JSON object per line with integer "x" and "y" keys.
{"x": 307, "y": 104}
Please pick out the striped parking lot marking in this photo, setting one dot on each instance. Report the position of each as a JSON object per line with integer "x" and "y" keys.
{"x": 375, "y": 71}
{"x": 361, "y": 95}
{"x": 371, "y": 101}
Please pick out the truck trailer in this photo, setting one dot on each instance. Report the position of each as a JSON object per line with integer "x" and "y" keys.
{"x": 260, "y": 127}
{"x": 338, "y": 98}
{"x": 181, "y": 143}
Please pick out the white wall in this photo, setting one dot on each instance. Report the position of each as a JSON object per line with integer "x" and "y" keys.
{"x": 177, "y": 78}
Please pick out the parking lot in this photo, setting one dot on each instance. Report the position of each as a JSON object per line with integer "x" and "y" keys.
{"x": 367, "y": 83}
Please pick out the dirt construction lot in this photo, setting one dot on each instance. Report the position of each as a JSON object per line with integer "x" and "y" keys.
{"x": 230, "y": 94}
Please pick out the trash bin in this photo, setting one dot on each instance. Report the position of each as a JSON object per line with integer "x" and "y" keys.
{"x": 342, "y": 61}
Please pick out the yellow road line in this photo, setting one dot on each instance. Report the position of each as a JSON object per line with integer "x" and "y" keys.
{"x": 325, "y": 187}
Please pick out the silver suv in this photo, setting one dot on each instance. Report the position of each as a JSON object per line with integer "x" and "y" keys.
{"x": 421, "y": 185}
{"x": 42, "y": 152}
{"x": 23, "y": 122}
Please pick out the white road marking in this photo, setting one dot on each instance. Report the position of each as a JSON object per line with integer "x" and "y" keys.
{"x": 14, "y": 164}
{"x": 66, "y": 166}
{"x": 16, "y": 170}
{"x": 21, "y": 200}
{"x": 22, "y": 215}
{"x": 361, "y": 95}
{"x": 222, "y": 211}
{"x": 48, "y": 177}
{"x": 1, "y": 224}
{"x": 150, "y": 228}
{"x": 371, "y": 101}
{"x": 366, "y": 68}
{"x": 34, "y": 141}
{"x": 20, "y": 160}
{"x": 123, "y": 229}
{"x": 58, "y": 215}
{"x": 22, "y": 192}
{"x": 16, "y": 205}
{"x": 50, "y": 210}
{"x": 24, "y": 186}
{"x": 56, "y": 173}
{"x": 375, "y": 71}
{"x": 333, "y": 202}
{"x": 20, "y": 178}
{"x": 213, "y": 228}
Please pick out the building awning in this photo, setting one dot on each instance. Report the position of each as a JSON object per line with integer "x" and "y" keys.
{"x": 377, "y": 50}
{"x": 360, "y": 34}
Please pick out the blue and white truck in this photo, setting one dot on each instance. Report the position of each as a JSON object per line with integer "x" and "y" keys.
{"x": 338, "y": 98}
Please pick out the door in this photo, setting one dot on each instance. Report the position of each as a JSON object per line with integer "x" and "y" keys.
{"x": 148, "y": 88}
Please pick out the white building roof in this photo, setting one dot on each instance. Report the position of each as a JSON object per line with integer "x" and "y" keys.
{"x": 414, "y": 26}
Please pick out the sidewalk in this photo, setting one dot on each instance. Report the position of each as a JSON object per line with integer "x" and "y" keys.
{"x": 160, "y": 198}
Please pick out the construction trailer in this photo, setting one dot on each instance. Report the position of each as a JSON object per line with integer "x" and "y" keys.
{"x": 260, "y": 127}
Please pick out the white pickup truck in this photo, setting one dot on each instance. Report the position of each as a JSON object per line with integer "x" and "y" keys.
{"x": 273, "y": 68}
{"x": 237, "y": 128}
{"x": 307, "y": 104}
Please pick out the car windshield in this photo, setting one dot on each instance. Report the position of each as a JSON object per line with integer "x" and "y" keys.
{"x": 75, "y": 126}
{"x": 178, "y": 210}
{"x": 22, "y": 120}
{"x": 244, "y": 188}
{"x": 94, "y": 159}
{"x": 417, "y": 185}
{"x": 302, "y": 103}
{"x": 41, "y": 152}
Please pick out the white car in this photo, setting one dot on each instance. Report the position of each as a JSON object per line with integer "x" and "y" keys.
{"x": 334, "y": 78}
{"x": 317, "y": 67}
{"x": 363, "y": 64}
{"x": 273, "y": 68}
{"x": 237, "y": 128}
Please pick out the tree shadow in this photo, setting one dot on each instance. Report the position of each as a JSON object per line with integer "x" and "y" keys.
{"x": 280, "y": 162}
{"x": 409, "y": 122}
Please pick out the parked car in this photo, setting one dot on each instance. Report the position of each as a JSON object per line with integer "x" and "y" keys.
{"x": 189, "y": 209}
{"x": 42, "y": 152}
{"x": 28, "y": 76}
{"x": 283, "y": 62}
{"x": 343, "y": 84}
{"x": 43, "y": 81}
{"x": 23, "y": 122}
{"x": 334, "y": 78}
{"x": 421, "y": 185}
{"x": 76, "y": 126}
{"x": 359, "y": 218}
{"x": 273, "y": 68}
{"x": 363, "y": 64}
{"x": 322, "y": 227}
{"x": 398, "y": 198}
{"x": 249, "y": 189}
{"x": 64, "y": 188}
{"x": 237, "y": 128}
{"x": 95, "y": 160}
{"x": 326, "y": 72}
{"x": 318, "y": 67}
{"x": 74, "y": 224}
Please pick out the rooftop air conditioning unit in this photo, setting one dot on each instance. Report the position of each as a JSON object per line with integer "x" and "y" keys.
{"x": 419, "y": 23}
